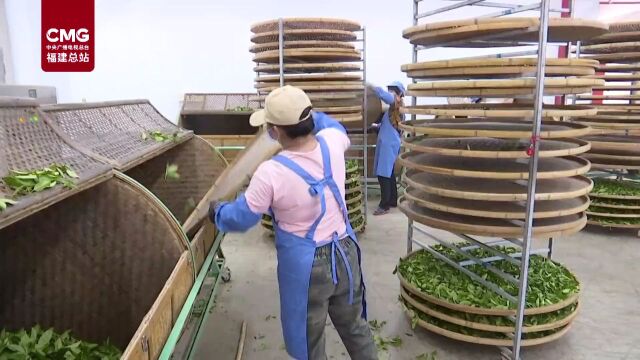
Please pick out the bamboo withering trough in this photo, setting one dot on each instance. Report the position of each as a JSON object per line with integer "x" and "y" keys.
{"x": 106, "y": 259}
{"x": 108, "y": 127}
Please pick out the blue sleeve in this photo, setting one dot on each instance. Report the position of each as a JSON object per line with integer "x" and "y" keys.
{"x": 323, "y": 121}
{"x": 235, "y": 216}
{"x": 385, "y": 96}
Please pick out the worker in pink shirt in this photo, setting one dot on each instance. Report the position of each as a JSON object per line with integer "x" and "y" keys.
{"x": 302, "y": 187}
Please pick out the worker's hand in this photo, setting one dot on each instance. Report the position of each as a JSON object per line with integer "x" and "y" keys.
{"x": 212, "y": 210}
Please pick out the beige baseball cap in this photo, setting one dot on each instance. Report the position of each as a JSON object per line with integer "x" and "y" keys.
{"x": 283, "y": 106}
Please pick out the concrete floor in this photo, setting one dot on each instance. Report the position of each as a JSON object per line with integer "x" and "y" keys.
{"x": 606, "y": 262}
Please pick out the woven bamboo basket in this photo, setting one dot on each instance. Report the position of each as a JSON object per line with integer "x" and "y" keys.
{"x": 496, "y": 190}
{"x": 105, "y": 260}
{"x": 105, "y": 129}
{"x": 29, "y": 143}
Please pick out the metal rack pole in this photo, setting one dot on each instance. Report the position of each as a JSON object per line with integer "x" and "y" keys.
{"x": 533, "y": 173}
{"x": 414, "y": 55}
{"x": 365, "y": 120}
{"x": 281, "y": 49}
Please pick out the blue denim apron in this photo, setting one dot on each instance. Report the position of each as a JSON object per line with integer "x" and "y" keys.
{"x": 296, "y": 255}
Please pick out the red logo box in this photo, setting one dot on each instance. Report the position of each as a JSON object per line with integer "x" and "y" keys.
{"x": 68, "y": 35}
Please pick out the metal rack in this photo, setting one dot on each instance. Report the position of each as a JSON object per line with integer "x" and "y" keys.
{"x": 521, "y": 258}
{"x": 362, "y": 39}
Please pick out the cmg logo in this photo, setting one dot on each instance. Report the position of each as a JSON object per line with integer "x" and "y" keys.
{"x": 67, "y": 35}
{"x": 73, "y": 35}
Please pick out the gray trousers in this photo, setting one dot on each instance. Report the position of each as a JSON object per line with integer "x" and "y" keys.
{"x": 325, "y": 297}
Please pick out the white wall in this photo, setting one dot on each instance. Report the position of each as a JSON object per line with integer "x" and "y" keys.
{"x": 5, "y": 45}
{"x": 160, "y": 49}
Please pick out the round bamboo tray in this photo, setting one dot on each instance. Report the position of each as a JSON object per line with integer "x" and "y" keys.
{"x": 609, "y": 97}
{"x": 352, "y": 183}
{"x": 611, "y": 48}
{"x": 314, "y": 85}
{"x": 307, "y": 68}
{"x": 594, "y": 221}
{"x": 359, "y": 228}
{"x": 614, "y": 38}
{"x": 607, "y": 68}
{"x": 609, "y": 124}
{"x": 356, "y": 210}
{"x": 488, "y": 341}
{"x": 606, "y": 163}
{"x": 466, "y": 32}
{"x": 497, "y": 93}
{"x": 304, "y": 35}
{"x": 258, "y": 48}
{"x": 480, "y": 226}
{"x": 496, "y": 72}
{"x": 621, "y": 57}
{"x": 479, "y": 147}
{"x": 497, "y": 110}
{"x": 613, "y": 215}
{"x": 505, "y": 169}
{"x": 355, "y": 96}
{"x": 497, "y": 62}
{"x": 497, "y": 190}
{"x": 322, "y": 55}
{"x": 427, "y": 308}
{"x": 338, "y": 109}
{"x": 632, "y": 205}
{"x": 497, "y": 209}
{"x": 347, "y": 118}
{"x": 411, "y": 289}
{"x": 505, "y": 83}
{"x": 617, "y": 77}
{"x": 352, "y": 190}
{"x": 310, "y": 77}
{"x": 624, "y": 26}
{"x": 499, "y": 128}
{"x": 306, "y": 23}
{"x": 354, "y": 200}
{"x": 351, "y": 170}
{"x": 611, "y": 196}
{"x": 617, "y": 87}
{"x": 617, "y": 154}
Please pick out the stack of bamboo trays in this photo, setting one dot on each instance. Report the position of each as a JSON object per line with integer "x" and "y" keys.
{"x": 319, "y": 56}
{"x": 617, "y": 124}
{"x": 354, "y": 194}
{"x": 426, "y": 295}
{"x": 616, "y": 137}
{"x": 467, "y": 170}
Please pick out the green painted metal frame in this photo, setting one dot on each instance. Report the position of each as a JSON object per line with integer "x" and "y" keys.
{"x": 195, "y": 310}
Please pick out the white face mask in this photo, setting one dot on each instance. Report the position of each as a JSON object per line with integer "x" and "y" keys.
{"x": 385, "y": 107}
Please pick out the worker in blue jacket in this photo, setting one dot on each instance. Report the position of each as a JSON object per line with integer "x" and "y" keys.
{"x": 388, "y": 146}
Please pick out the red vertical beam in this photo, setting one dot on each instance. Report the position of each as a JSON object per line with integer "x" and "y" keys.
{"x": 563, "y": 51}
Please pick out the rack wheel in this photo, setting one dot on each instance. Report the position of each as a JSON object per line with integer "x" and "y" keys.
{"x": 226, "y": 274}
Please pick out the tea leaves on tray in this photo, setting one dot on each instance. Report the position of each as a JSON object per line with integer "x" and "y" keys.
{"x": 5, "y": 203}
{"x": 159, "y": 136}
{"x": 549, "y": 282}
{"x": 39, "y": 344}
{"x": 616, "y": 187}
{"x": 27, "y": 182}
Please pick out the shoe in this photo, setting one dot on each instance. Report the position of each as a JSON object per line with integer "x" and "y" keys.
{"x": 380, "y": 211}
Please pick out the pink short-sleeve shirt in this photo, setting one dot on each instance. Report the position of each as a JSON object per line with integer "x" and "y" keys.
{"x": 275, "y": 186}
